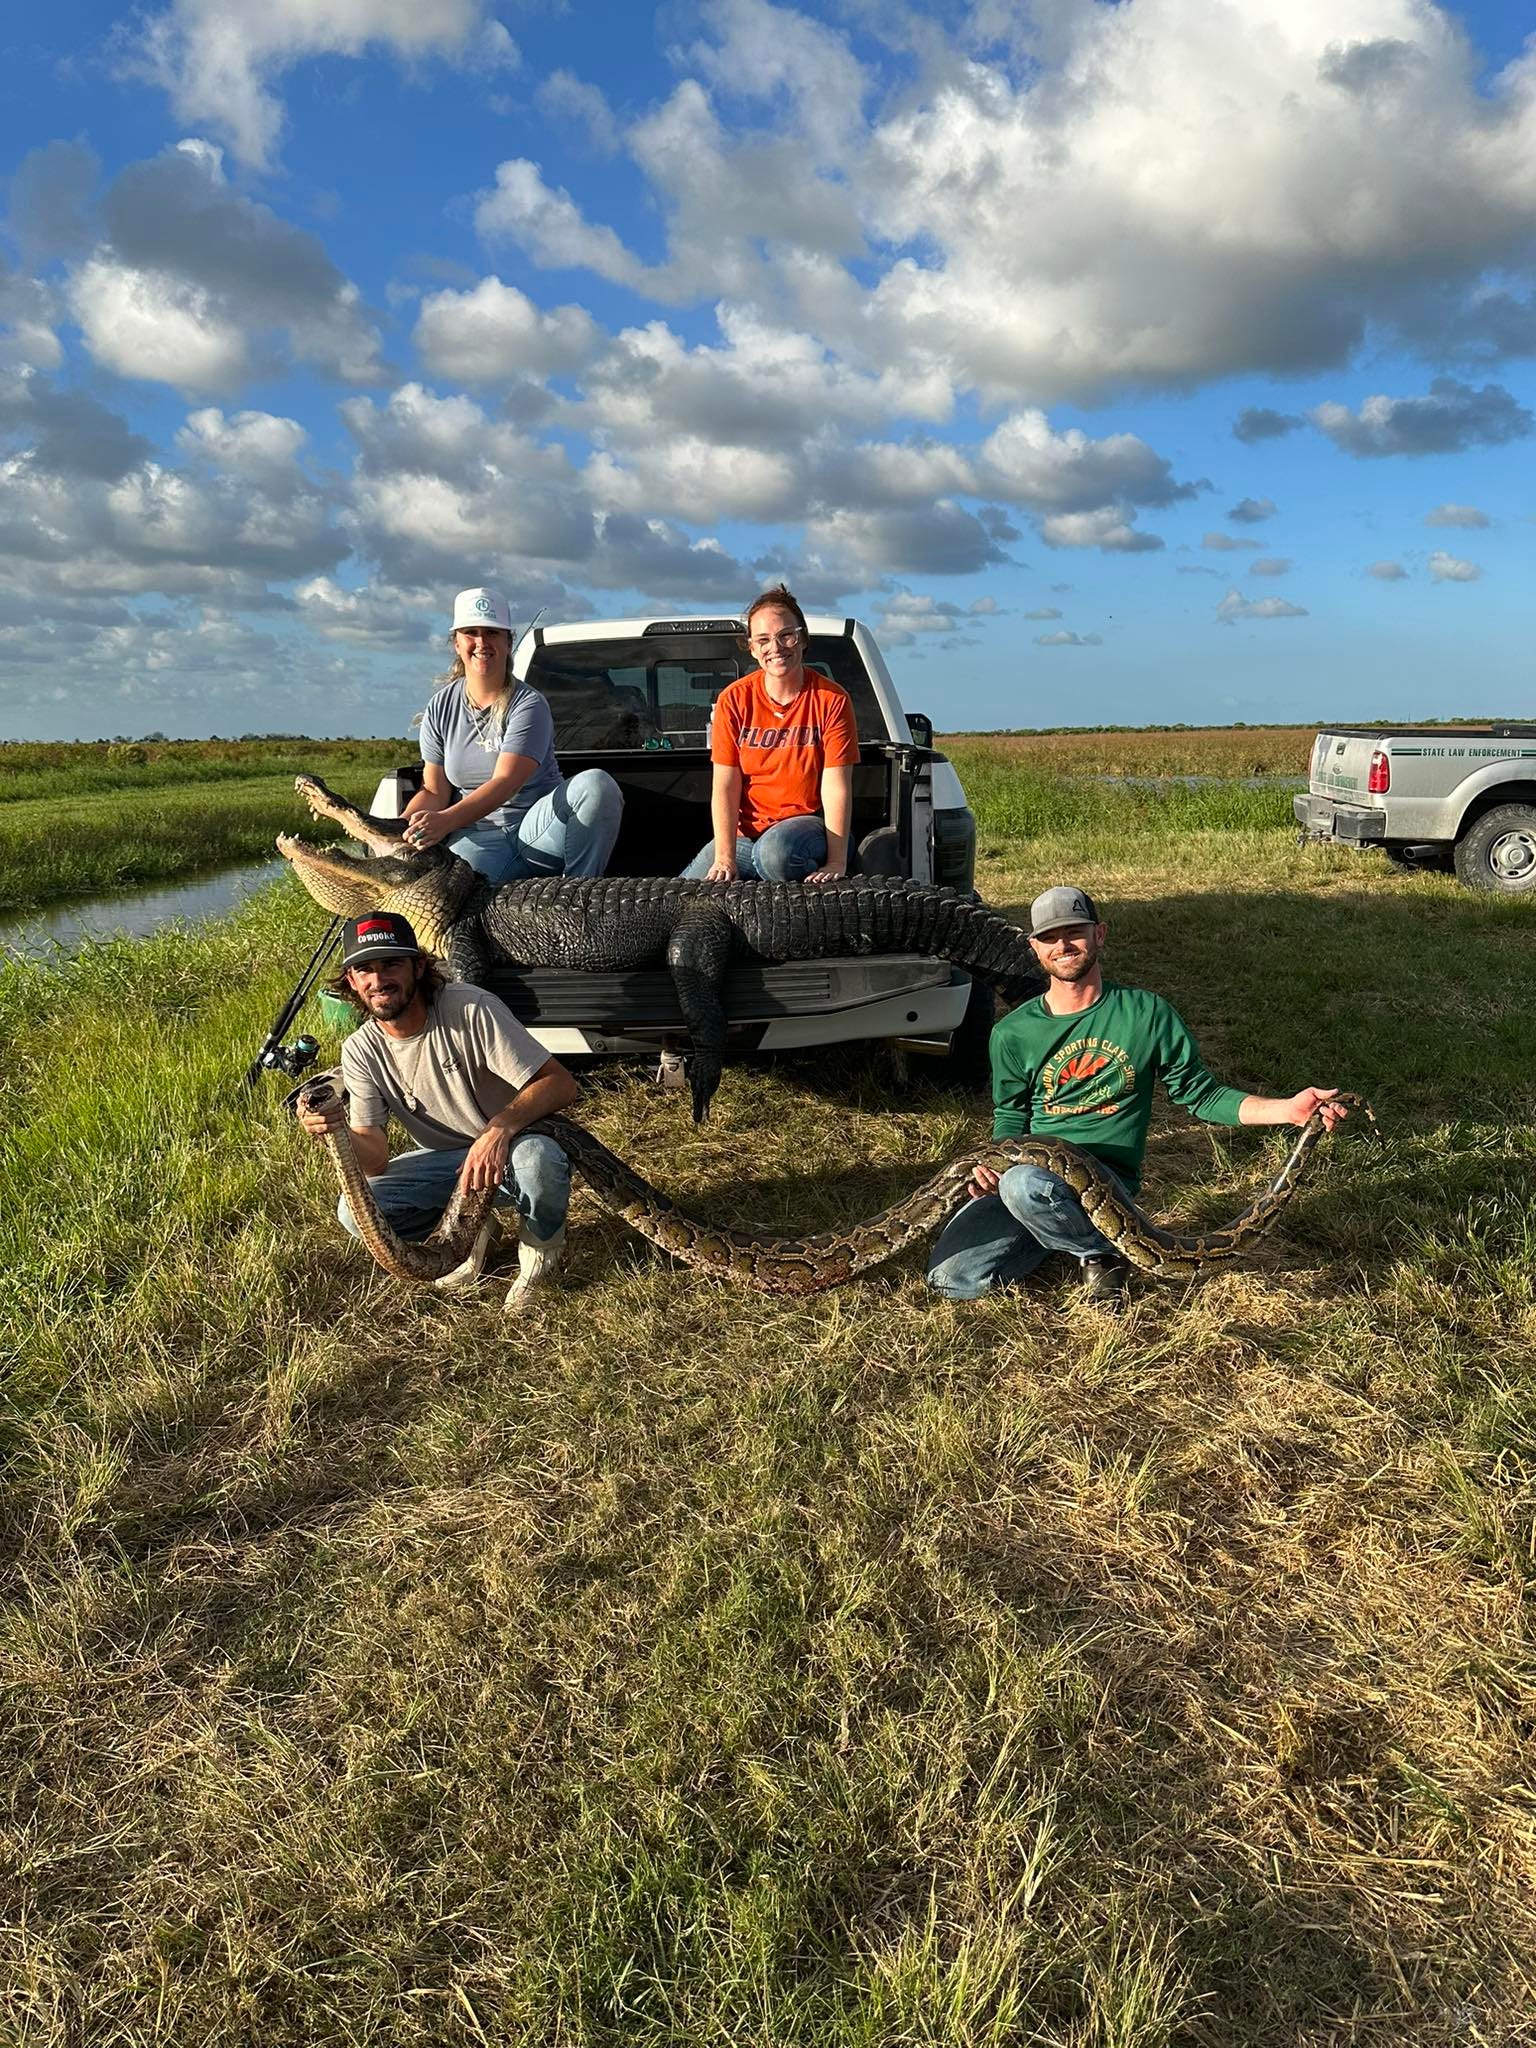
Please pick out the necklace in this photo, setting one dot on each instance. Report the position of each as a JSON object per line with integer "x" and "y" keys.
{"x": 488, "y": 733}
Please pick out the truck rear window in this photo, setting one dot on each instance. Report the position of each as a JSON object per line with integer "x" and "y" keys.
{"x": 625, "y": 693}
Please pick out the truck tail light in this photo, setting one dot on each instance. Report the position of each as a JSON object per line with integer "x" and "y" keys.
{"x": 1379, "y": 781}
{"x": 953, "y": 849}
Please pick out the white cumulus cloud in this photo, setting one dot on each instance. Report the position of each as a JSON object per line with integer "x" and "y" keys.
{"x": 1235, "y": 606}
{"x": 260, "y": 445}
{"x": 548, "y": 223}
{"x": 367, "y": 617}
{"x": 1107, "y": 529}
{"x": 1174, "y": 191}
{"x": 219, "y": 59}
{"x": 1444, "y": 568}
{"x": 1456, "y": 515}
{"x": 1449, "y": 417}
{"x": 495, "y": 334}
{"x": 163, "y": 329}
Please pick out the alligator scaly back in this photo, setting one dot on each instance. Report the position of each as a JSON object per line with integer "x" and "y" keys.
{"x": 615, "y": 922}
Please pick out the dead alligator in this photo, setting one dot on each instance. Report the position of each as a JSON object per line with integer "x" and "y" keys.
{"x": 623, "y": 921}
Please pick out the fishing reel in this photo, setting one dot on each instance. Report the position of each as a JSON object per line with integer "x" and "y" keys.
{"x": 293, "y": 1059}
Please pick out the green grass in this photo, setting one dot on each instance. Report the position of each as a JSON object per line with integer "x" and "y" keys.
{"x": 1016, "y": 795}
{"x": 62, "y": 769}
{"x": 76, "y": 845}
{"x": 679, "y": 1666}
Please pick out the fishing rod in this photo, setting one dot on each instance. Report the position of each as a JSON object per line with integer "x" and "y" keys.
{"x": 274, "y": 1056}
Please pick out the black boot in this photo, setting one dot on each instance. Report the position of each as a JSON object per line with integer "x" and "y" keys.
{"x": 1106, "y": 1279}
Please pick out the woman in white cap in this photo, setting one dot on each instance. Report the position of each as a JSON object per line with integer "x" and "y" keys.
{"x": 493, "y": 788}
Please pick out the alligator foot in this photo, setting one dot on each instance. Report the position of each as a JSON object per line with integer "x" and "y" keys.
{"x": 704, "y": 1071}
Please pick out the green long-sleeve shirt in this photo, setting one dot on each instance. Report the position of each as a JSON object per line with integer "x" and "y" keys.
{"x": 1089, "y": 1077}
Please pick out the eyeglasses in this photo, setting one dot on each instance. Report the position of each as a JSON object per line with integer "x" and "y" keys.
{"x": 766, "y": 640}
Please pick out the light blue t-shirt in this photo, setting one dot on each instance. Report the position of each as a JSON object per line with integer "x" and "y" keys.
{"x": 464, "y": 743}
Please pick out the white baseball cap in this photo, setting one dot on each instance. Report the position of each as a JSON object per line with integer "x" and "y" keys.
{"x": 481, "y": 608}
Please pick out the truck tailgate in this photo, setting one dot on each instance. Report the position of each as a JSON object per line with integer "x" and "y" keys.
{"x": 1341, "y": 765}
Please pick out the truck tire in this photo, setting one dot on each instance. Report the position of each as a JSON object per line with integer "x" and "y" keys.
{"x": 967, "y": 1066}
{"x": 1498, "y": 851}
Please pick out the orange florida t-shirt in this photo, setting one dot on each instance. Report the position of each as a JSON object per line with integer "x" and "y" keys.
{"x": 781, "y": 749}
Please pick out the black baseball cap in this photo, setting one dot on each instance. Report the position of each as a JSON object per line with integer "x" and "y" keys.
{"x": 376, "y": 935}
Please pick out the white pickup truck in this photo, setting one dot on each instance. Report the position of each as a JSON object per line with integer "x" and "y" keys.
{"x": 1434, "y": 796}
{"x": 635, "y": 696}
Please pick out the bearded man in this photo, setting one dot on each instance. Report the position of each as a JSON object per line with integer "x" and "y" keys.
{"x": 452, "y": 1065}
{"x": 1080, "y": 1063}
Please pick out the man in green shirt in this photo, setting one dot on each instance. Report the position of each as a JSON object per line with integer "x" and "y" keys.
{"x": 1080, "y": 1063}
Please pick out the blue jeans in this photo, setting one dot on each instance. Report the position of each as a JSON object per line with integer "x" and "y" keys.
{"x": 413, "y": 1190}
{"x": 569, "y": 830}
{"x": 786, "y": 852}
{"x": 1004, "y": 1237}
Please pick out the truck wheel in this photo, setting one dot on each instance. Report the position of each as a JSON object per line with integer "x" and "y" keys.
{"x": 1498, "y": 851}
{"x": 967, "y": 1065}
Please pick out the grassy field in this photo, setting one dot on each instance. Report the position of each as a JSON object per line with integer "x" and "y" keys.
{"x": 71, "y": 768}
{"x": 75, "y": 820}
{"x": 683, "y": 1667}
{"x": 80, "y": 819}
{"x": 1230, "y": 751}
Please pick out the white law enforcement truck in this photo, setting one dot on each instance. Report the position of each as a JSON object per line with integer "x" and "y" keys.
{"x": 1433, "y": 796}
{"x": 635, "y": 696}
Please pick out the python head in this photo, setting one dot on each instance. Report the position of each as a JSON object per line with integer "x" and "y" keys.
{"x": 430, "y": 888}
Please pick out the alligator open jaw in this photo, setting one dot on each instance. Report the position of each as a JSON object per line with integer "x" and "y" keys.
{"x": 429, "y": 887}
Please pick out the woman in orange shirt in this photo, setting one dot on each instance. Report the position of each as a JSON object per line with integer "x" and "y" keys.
{"x": 784, "y": 747}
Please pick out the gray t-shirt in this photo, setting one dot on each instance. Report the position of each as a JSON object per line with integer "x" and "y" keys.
{"x": 445, "y": 1084}
{"x": 464, "y": 743}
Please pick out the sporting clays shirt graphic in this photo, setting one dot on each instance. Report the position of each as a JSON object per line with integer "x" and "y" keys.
{"x": 1087, "y": 1077}
{"x": 781, "y": 749}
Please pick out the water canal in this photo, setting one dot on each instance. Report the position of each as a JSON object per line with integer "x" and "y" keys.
{"x": 132, "y": 913}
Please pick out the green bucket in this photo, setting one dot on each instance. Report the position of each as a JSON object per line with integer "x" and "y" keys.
{"x": 337, "y": 1012}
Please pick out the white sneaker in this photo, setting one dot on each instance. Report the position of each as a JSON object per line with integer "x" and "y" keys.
{"x": 537, "y": 1265}
{"x": 467, "y": 1273}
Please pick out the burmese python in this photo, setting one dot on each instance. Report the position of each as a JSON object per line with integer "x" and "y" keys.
{"x": 806, "y": 1265}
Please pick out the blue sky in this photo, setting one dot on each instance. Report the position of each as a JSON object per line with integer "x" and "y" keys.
{"x": 1157, "y": 361}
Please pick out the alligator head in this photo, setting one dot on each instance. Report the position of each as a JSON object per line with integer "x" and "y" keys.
{"x": 429, "y": 888}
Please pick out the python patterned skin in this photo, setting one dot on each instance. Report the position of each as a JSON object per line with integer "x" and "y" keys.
{"x": 808, "y": 1265}
{"x": 623, "y": 921}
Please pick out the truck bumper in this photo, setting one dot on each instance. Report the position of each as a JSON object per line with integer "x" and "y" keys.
{"x": 803, "y": 1003}
{"x": 1320, "y": 817}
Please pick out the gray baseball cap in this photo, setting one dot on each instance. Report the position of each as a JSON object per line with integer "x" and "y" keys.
{"x": 1053, "y": 908}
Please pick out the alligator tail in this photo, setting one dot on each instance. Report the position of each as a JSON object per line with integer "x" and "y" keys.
{"x": 880, "y": 915}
